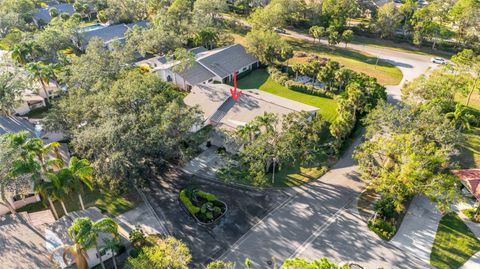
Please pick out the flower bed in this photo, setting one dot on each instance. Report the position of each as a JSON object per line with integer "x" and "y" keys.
{"x": 204, "y": 207}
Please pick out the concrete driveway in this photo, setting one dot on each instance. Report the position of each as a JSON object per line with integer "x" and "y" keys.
{"x": 417, "y": 232}
{"x": 321, "y": 221}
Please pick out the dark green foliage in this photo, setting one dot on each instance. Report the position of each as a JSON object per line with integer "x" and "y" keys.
{"x": 188, "y": 204}
{"x": 382, "y": 228}
{"x": 203, "y": 205}
{"x": 385, "y": 207}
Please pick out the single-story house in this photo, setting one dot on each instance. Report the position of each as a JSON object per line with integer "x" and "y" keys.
{"x": 56, "y": 235}
{"x": 28, "y": 101}
{"x": 220, "y": 110}
{"x": 42, "y": 17}
{"x": 108, "y": 34}
{"x": 210, "y": 66}
{"x": 470, "y": 178}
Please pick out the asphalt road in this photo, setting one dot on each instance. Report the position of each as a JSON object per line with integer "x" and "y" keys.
{"x": 322, "y": 219}
{"x": 412, "y": 65}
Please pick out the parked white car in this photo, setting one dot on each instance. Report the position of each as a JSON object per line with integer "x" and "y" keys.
{"x": 439, "y": 60}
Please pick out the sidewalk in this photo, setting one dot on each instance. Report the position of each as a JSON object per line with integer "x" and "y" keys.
{"x": 418, "y": 229}
{"x": 141, "y": 217}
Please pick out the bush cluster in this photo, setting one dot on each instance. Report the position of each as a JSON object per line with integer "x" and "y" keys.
{"x": 186, "y": 201}
{"x": 283, "y": 79}
{"x": 383, "y": 228}
{"x": 207, "y": 196}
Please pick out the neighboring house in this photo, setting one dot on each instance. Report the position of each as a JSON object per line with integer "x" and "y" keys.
{"x": 210, "y": 66}
{"x": 220, "y": 110}
{"x": 56, "y": 235}
{"x": 470, "y": 178}
{"x": 31, "y": 99}
{"x": 42, "y": 17}
{"x": 22, "y": 193}
{"x": 107, "y": 34}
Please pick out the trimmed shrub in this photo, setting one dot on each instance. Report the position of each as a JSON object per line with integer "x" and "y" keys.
{"x": 382, "y": 228}
{"x": 186, "y": 201}
{"x": 207, "y": 196}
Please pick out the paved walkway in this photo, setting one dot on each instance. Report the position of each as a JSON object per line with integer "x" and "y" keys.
{"x": 417, "y": 232}
{"x": 141, "y": 217}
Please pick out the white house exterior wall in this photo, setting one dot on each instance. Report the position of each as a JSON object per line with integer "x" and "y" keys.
{"x": 18, "y": 204}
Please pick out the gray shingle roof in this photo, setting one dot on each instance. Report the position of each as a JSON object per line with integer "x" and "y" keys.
{"x": 107, "y": 34}
{"x": 44, "y": 15}
{"x": 196, "y": 74}
{"x": 223, "y": 62}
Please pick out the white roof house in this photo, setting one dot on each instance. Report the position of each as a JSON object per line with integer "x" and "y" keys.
{"x": 210, "y": 65}
{"x": 219, "y": 108}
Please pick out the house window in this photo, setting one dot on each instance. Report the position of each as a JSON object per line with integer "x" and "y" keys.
{"x": 169, "y": 78}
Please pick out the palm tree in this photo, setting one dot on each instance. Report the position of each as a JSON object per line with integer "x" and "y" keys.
{"x": 82, "y": 172}
{"x": 57, "y": 186}
{"x": 38, "y": 72}
{"x": 459, "y": 117}
{"x": 25, "y": 51}
{"x": 268, "y": 121}
{"x": 32, "y": 163}
{"x": 85, "y": 232}
{"x": 112, "y": 245}
{"x": 247, "y": 131}
{"x": 79, "y": 254}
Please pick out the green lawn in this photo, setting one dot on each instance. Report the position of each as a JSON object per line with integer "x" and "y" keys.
{"x": 38, "y": 113}
{"x": 470, "y": 149}
{"x": 112, "y": 205}
{"x": 384, "y": 72}
{"x": 259, "y": 79}
{"x": 399, "y": 46}
{"x": 454, "y": 243}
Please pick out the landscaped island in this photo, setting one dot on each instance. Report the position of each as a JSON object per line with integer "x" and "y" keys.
{"x": 203, "y": 206}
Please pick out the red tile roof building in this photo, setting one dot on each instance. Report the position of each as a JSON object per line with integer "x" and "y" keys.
{"x": 471, "y": 179}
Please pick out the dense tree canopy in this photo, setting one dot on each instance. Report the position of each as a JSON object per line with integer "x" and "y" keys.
{"x": 267, "y": 46}
{"x": 167, "y": 253}
{"x": 127, "y": 125}
{"x": 408, "y": 152}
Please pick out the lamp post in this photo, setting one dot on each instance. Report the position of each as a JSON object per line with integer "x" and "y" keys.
{"x": 275, "y": 159}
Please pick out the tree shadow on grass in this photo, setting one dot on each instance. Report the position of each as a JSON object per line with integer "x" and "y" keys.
{"x": 336, "y": 51}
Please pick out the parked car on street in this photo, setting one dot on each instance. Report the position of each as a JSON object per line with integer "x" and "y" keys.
{"x": 439, "y": 60}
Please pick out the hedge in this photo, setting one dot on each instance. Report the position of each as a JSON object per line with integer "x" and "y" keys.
{"x": 190, "y": 206}
{"x": 283, "y": 79}
{"x": 207, "y": 196}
